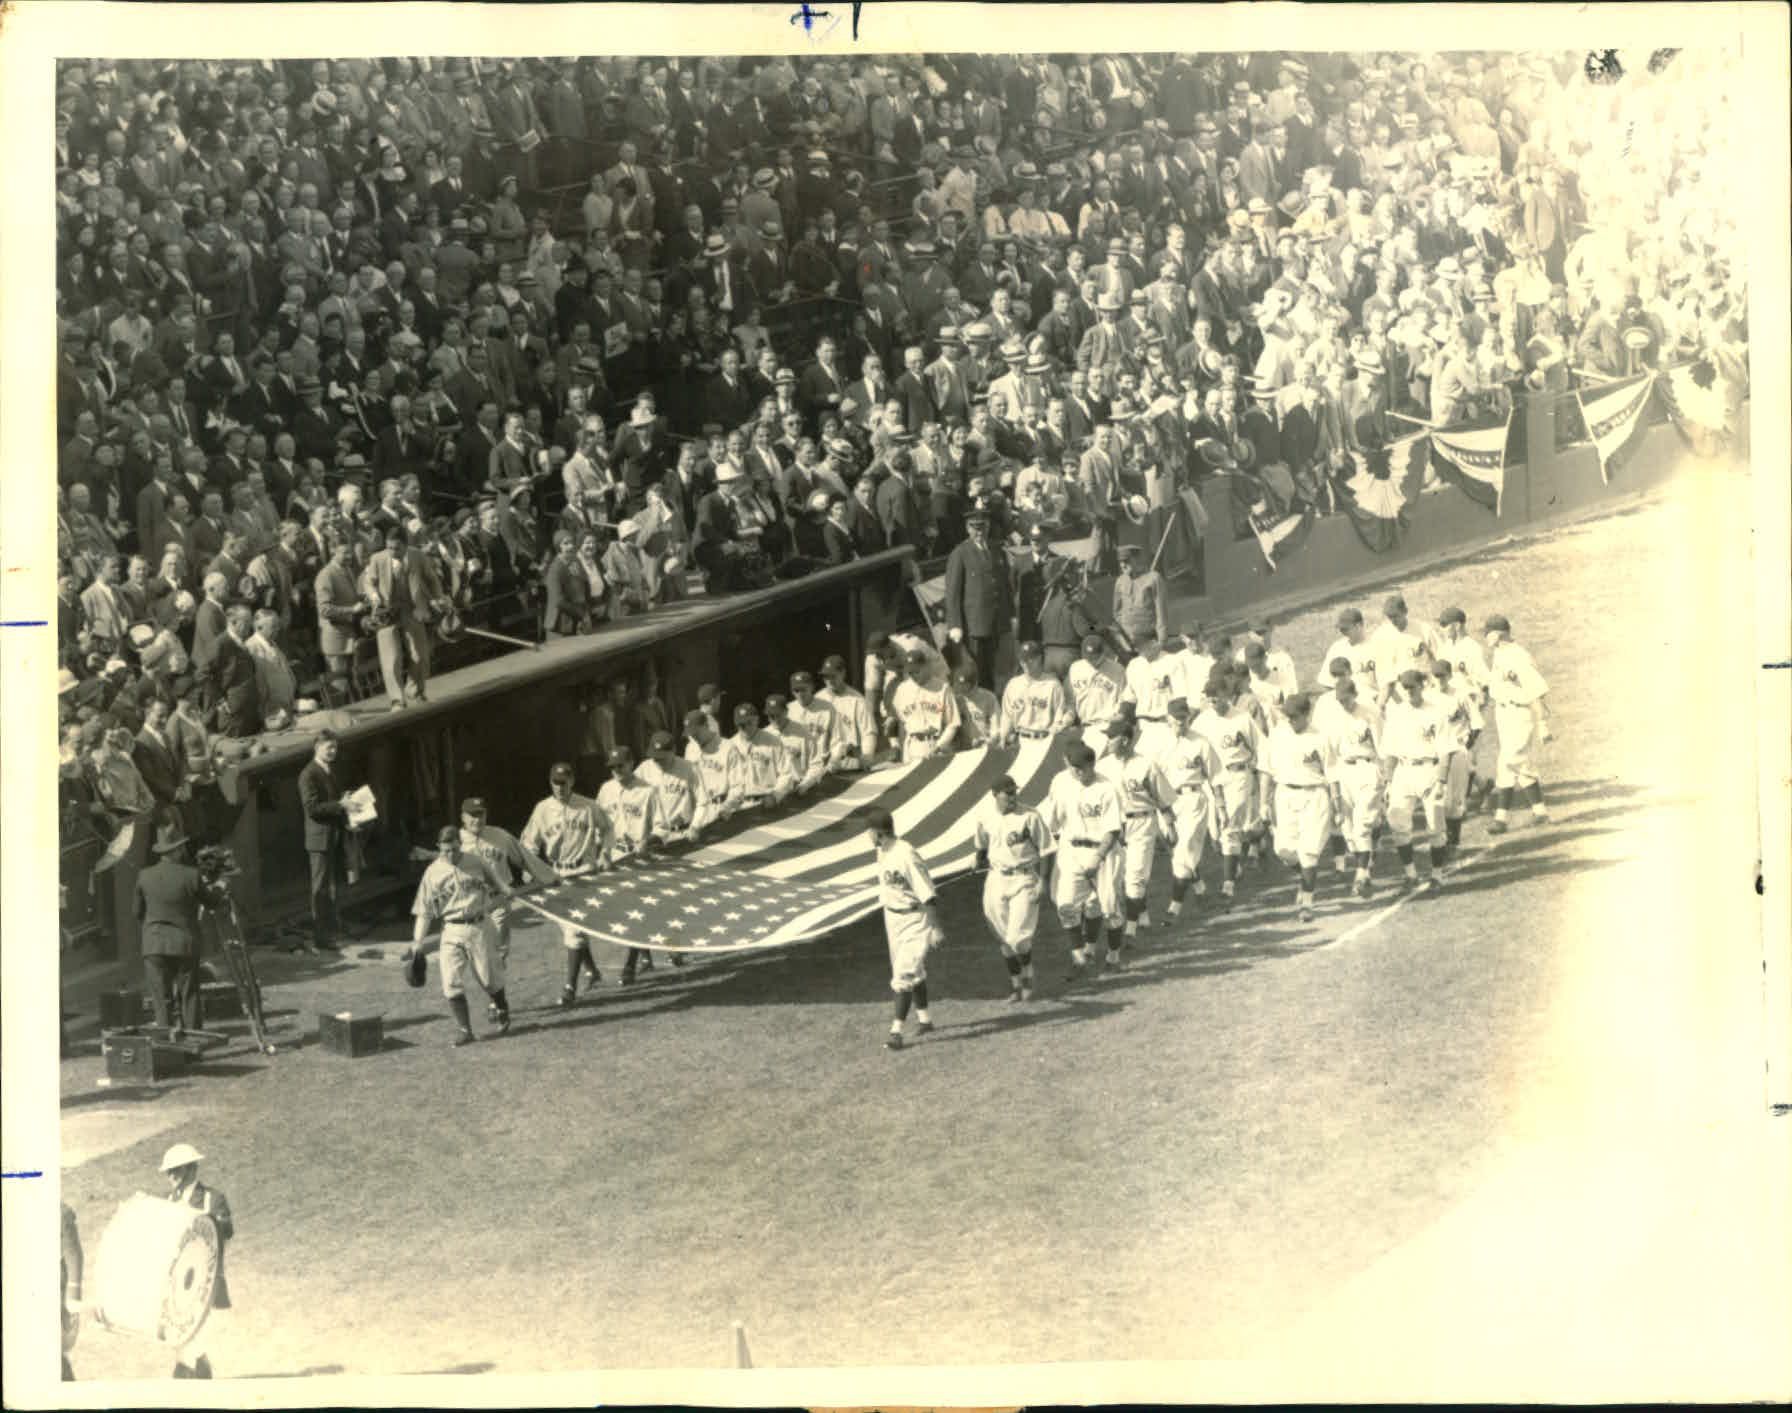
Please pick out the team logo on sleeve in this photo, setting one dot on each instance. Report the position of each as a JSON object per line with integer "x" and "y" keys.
{"x": 1312, "y": 761}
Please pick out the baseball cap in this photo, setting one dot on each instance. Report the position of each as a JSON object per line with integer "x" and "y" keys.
{"x": 917, "y": 655}
{"x": 833, "y": 662}
{"x": 1395, "y": 604}
{"x": 1120, "y": 726}
{"x": 662, "y": 741}
{"x": 1178, "y": 706}
{"x": 1497, "y": 622}
{"x": 1350, "y": 617}
{"x": 1412, "y": 677}
{"x": 744, "y": 711}
{"x": 1030, "y": 649}
{"x": 473, "y": 806}
{"x": 621, "y": 755}
{"x": 1452, "y": 615}
{"x": 1079, "y": 754}
{"x": 1339, "y": 667}
{"x": 561, "y": 774}
{"x": 776, "y": 699}
{"x": 1095, "y": 641}
{"x": 1004, "y": 785}
{"x": 800, "y": 678}
{"x": 880, "y": 820}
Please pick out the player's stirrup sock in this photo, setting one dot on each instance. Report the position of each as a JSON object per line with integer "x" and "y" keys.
{"x": 498, "y": 1000}
{"x": 921, "y": 1002}
{"x": 1438, "y": 855}
{"x": 458, "y": 1004}
{"x": 1091, "y": 931}
{"x": 1453, "y": 831}
{"x": 1134, "y": 906}
{"x": 1405, "y": 852}
{"x": 576, "y": 957}
{"x": 902, "y": 1002}
{"x": 1309, "y": 880}
{"x": 1178, "y": 891}
{"x": 1534, "y": 793}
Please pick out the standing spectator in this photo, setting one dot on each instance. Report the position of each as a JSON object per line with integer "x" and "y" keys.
{"x": 326, "y": 841}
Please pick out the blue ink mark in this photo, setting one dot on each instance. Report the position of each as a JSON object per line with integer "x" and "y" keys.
{"x": 808, "y": 17}
{"x": 25, "y": 623}
{"x": 37, "y": 1173}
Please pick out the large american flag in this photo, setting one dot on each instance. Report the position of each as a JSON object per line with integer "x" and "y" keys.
{"x": 800, "y": 872}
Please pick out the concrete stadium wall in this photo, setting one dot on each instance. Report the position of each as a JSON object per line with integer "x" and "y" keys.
{"x": 1549, "y": 485}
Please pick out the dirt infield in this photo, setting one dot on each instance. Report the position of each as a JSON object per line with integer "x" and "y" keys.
{"x": 1201, "y": 1157}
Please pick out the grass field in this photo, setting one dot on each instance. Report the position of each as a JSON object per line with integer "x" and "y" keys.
{"x": 1261, "y": 1141}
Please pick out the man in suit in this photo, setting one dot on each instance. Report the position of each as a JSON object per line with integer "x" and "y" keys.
{"x": 728, "y": 400}
{"x": 822, "y": 385}
{"x": 898, "y": 510}
{"x": 326, "y": 840}
{"x": 209, "y": 621}
{"x": 338, "y": 602}
{"x": 390, "y": 583}
{"x": 155, "y": 759}
{"x": 868, "y": 394}
{"x": 979, "y": 604}
{"x": 234, "y": 690}
{"x": 168, "y": 897}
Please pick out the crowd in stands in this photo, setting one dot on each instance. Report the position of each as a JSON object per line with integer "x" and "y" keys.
{"x": 354, "y": 355}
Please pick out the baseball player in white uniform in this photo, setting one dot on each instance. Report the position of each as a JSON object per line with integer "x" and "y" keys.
{"x": 1352, "y": 733}
{"x": 1520, "y": 719}
{"x": 1035, "y": 706}
{"x": 633, "y": 809}
{"x": 1352, "y": 647}
{"x": 1396, "y": 647}
{"x": 817, "y": 720}
{"x": 572, "y": 835}
{"x": 807, "y": 766}
{"x": 708, "y": 753}
{"x": 680, "y": 797}
{"x": 1190, "y": 769}
{"x": 979, "y": 713}
{"x": 1097, "y": 682}
{"x": 1151, "y": 680}
{"x": 1300, "y": 806}
{"x": 1145, "y": 801}
{"x": 759, "y": 768}
{"x": 1277, "y": 660}
{"x": 926, "y": 716}
{"x": 454, "y": 896}
{"x": 1415, "y": 744}
{"x": 508, "y": 859}
{"x": 1452, "y": 643}
{"x": 911, "y": 922}
{"x": 1267, "y": 687}
{"x": 855, "y": 739}
{"x": 1083, "y": 813}
{"x": 1011, "y": 843}
{"x": 1234, "y": 738}
{"x": 1465, "y": 722}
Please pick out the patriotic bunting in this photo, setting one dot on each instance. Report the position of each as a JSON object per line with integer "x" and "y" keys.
{"x": 774, "y": 879}
{"x": 1474, "y": 461}
{"x": 1613, "y": 415}
{"x": 1698, "y": 401}
{"x": 1386, "y": 479}
{"x": 1273, "y": 531}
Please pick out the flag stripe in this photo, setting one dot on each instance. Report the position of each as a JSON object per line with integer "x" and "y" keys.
{"x": 854, "y": 794}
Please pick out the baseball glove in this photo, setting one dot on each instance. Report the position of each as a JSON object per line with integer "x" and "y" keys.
{"x": 416, "y": 967}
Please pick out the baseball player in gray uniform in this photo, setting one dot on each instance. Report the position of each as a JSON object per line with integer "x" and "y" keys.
{"x": 454, "y": 898}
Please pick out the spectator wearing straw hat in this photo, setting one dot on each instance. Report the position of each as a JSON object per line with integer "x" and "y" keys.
{"x": 166, "y": 902}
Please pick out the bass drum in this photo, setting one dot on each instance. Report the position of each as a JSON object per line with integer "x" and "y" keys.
{"x": 155, "y": 1270}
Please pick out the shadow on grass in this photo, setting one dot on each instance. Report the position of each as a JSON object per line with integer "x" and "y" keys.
{"x": 305, "y": 1373}
{"x": 1066, "y": 1009}
{"x": 117, "y": 1094}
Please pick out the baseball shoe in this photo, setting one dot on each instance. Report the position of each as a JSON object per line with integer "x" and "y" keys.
{"x": 503, "y": 1022}
{"x": 893, "y": 1041}
{"x": 1428, "y": 884}
{"x": 492, "y": 1012}
{"x": 647, "y": 963}
{"x": 464, "y": 1037}
{"x": 1075, "y": 975}
{"x": 923, "y": 1027}
{"x": 593, "y": 980}
{"x": 627, "y": 979}
{"x": 677, "y": 959}
{"x": 1361, "y": 888}
{"x": 1014, "y": 996}
{"x": 569, "y": 997}
{"x": 1113, "y": 962}
{"x": 1499, "y": 826}
{"x": 1306, "y": 914}
{"x": 1026, "y": 993}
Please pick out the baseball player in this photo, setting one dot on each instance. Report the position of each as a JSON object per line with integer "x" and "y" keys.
{"x": 1520, "y": 718}
{"x": 1145, "y": 801}
{"x": 806, "y": 765}
{"x": 883, "y": 670}
{"x": 1083, "y": 813}
{"x": 508, "y": 859}
{"x": 572, "y": 835}
{"x": 1396, "y": 647}
{"x": 1351, "y": 646}
{"x": 979, "y": 713}
{"x": 911, "y": 922}
{"x": 926, "y": 716}
{"x": 680, "y": 798}
{"x": 1415, "y": 741}
{"x": 1151, "y": 680}
{"x": 1325, "y": 697}
{"x": 1035, "y": 706}
{"x": 1465, "y": 722}
{"x": 1011, "y": 843}
{"x": 855, "y": 741}
{"x": 74, "y": 1266}
{"x": 1235, "y": 739}
{"x": 1300, "y": 806}
{"x": 1352, "y": 733}
{"x": 1264, "y": 685}
{"x": 454, "y": 896}
{"x": 710, "y": 756}
{"x": 181, "y": 1164}
{"x": 759, "y": 768}
{"x": 1190, "y": 769}
{"x": 632, "y": 806}
{"x": 1279, "y": 664}
{"x": 1452, "y": 643}
{"x": 817, "y": 720}
{"x": 1097, "y": 682}
{"x": 1196, "y": 662}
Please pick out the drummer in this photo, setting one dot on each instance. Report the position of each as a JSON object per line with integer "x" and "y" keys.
{"x": 181, "y": 1163}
